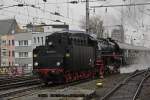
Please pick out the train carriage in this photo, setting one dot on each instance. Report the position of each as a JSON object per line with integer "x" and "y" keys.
{"x": 132, "y": 54}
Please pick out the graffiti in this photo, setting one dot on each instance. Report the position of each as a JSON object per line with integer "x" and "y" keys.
{"x": 11, "y": 71}
{"x": 4, "y": 71}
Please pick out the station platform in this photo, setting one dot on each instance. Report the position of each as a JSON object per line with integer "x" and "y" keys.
{"x": 69, "y": 93}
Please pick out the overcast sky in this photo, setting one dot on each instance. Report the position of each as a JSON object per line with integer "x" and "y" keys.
{"x": 72, "y": 13}
{"x": 135, "y": 19}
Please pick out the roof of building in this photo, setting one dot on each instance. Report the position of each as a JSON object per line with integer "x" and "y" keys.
{"x": 52, "y": 25}
{"x": 7, "y": 26}
{"x": 70, "y": 31}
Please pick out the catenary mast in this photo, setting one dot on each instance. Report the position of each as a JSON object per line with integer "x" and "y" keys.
{"x": 87, "y": 16}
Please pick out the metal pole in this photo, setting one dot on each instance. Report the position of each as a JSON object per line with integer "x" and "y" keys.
{"x": 68, "y": 9}
{"x": 87, "y": 16}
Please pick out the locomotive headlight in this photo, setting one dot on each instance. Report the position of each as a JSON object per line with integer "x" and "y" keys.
{"x": 58, "y": 63}
{"x": 50, "y": 43}
{"x": 34, "y": 55}
{"x": 67, "y": 55}
{"x": 36, "y": 64}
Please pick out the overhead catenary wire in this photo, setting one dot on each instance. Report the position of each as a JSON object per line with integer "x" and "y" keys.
{"x": 54, "y": 13}
{"x": 74, "y": 2}
{"x": 36, "y": 16}
{"x": 49, "y": 12}
{"x": 120, "y": 5}
{"x": 22, "y": 19}
{"x": 40, "y": 18}
{"x": 33, "y": 6}
{"x": 39, "y": 8}
{"x": 44, "y": 10}
{"x": 29, "y": 16}
{"x": 126, "y": 16}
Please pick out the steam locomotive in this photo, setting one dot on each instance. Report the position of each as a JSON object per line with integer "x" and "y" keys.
{"x": 73, "y": 55}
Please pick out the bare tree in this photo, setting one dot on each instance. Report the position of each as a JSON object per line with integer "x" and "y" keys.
{"x": 95, "y": 26}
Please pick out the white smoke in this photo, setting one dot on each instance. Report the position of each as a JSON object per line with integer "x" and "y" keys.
{"x": 139, "y": 63}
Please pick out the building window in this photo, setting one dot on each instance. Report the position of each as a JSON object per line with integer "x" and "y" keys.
{"x": 4, "y": 42}
{"x": 20, "y": 43}
{"x": 23, "y": 54}
{"x": 9, "y": 54}
{"x": 23, "y": 43}
{"x": 34, "y": 40}
{"x": 26, "y": 42}
{"x": 4, "y": 63}
{"x": 4, "y": 53}
{"x": 9, "y": 42}
{"x": 13, "y": 53}
{"x": 13, "y": 42}
{"x": 3, "y": 49}
{"x": 38, "y": 40}
{"x": 9, "y": 64}
{"x": 42, "y": 40}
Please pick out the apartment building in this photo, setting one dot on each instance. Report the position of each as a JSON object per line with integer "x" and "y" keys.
{"x": 7, "y": 50}
{"x": 8, "y": 27}
{"x": 23, "y": 51}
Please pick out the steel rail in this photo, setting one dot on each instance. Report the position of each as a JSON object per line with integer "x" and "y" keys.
{"x": 19, "y": 84}
{"x": 140, "y": 87}
{"x": 16, "y": 79}
{"x": 9, "y": 93}
{"x": 122, "y": 83}
{"x": 52, "y": 86}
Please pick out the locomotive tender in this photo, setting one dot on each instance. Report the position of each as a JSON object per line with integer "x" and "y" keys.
{"x": 74, "y": 55}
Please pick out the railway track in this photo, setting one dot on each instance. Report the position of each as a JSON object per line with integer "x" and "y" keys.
{"x": 10, "y": 83}
{"x": 10, "y": 92}
{"x": 127, "y": 90}
{"x": 19, "y": 84}
{"x": 7, "y": 80}
{"x": 130, "y": 88}
{"x": 12, "y": 86}
{"x": 10, "y": 95}
{"x": 144, "y": 90}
